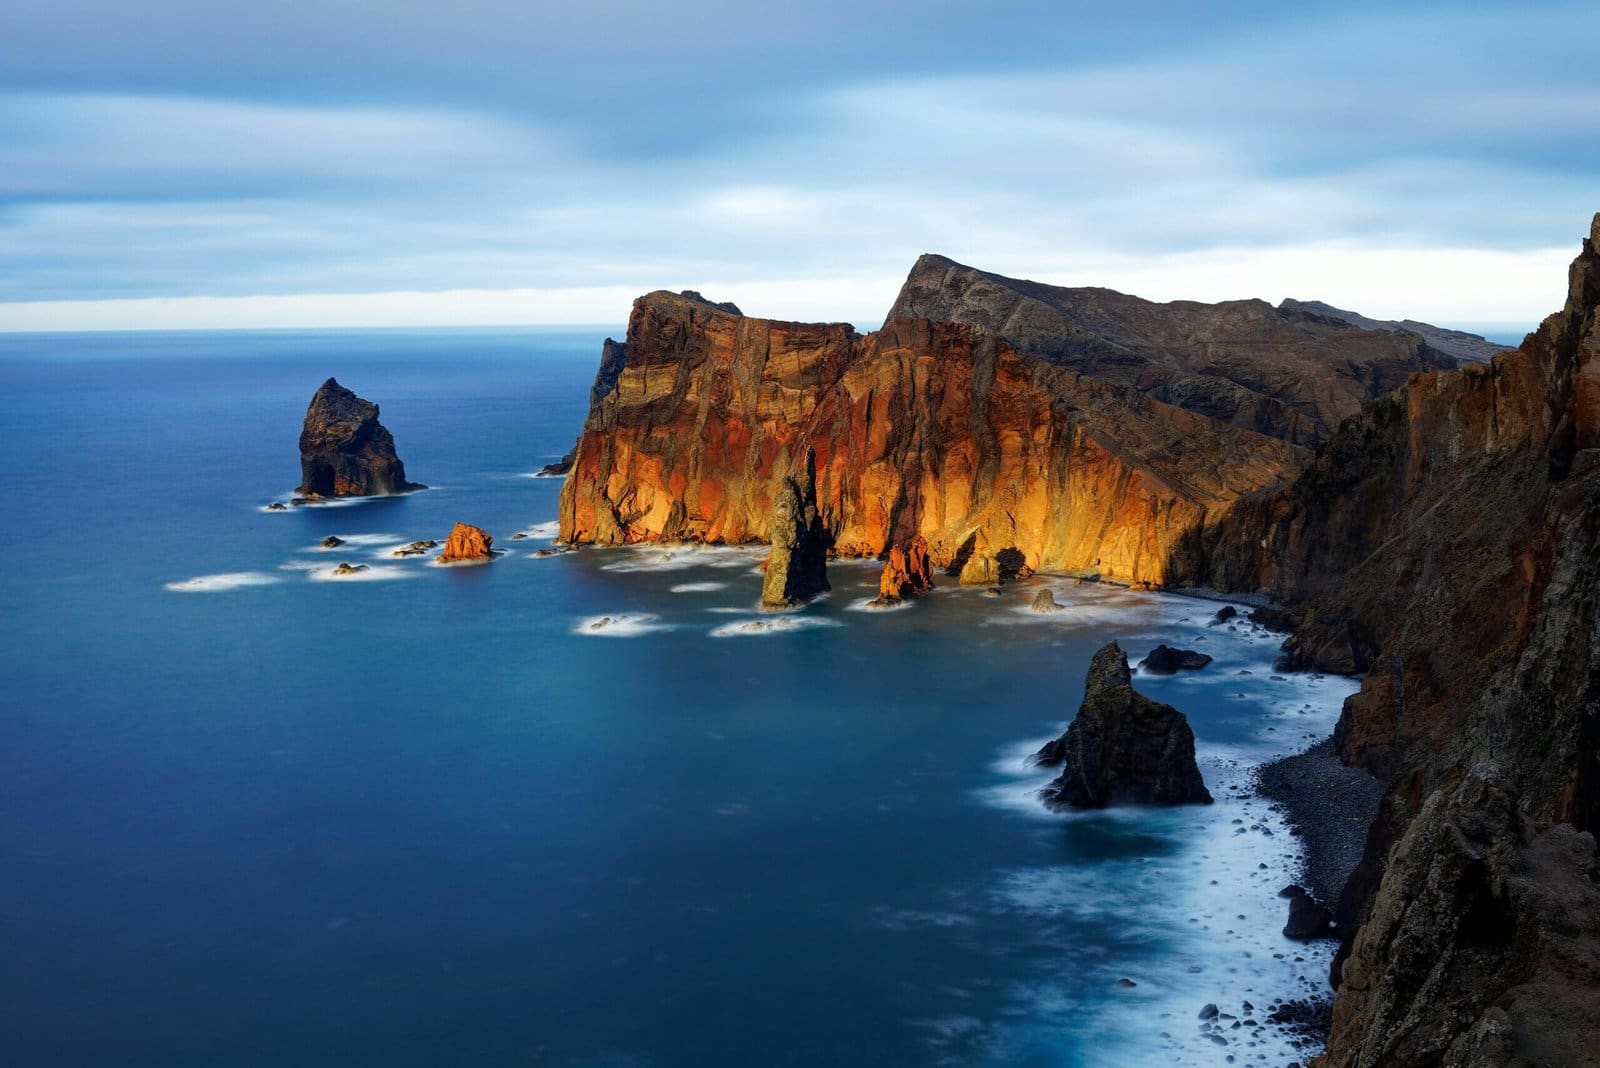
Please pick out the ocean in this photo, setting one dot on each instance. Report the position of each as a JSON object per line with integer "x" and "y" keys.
{"x": 251, "y": 814}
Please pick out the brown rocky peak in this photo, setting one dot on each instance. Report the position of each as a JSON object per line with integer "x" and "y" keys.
{"x": 345, "y": 451}
{"x": 467, "y": 544}
{"x": 1122, "y": 748}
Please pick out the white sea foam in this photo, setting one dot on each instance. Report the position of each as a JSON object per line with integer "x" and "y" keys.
{"x": 369, "y": 573}
{"x": 231, "y": 580}
{"x": 776, "y": 624}
{"x": 548, "y": 530}
{"x": 699, "y": 587}
{"x": 621, "y": 625}
{"x": 1202, "y": 891}
{"x": 350, "y": 543}
{"x": 679, "y": 558}
{"x": 870, "y": 604}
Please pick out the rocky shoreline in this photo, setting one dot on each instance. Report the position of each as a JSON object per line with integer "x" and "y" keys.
{"x": 1329, "y": 807}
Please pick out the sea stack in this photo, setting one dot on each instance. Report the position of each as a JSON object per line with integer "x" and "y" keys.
{"x": 797, "y": 569}
{"x": 906, "y": 573}
{"x": 1122, "y": 748}
{"x": 467, "y": 544}
{"x": 345, "y": 451}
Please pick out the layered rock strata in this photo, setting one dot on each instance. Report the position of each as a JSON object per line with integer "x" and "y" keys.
{"x": 1122, "y": 748}
{"x": 906, "y": 573}
{"x": 345, "y": 451}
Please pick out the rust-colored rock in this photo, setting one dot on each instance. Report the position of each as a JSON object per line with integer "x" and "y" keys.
{"x": 467, "y": 544}
{"x": 906, "y": 573}
{"x": 931, "y": 429}
{"x": 345, "y": 451}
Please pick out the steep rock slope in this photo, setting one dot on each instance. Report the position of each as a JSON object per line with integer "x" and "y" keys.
{"x": 1463, "y": 345}
{"x": 1277, "y": 371}
{"x": 1447, "y": 542}
{"x": 931, "y": 429}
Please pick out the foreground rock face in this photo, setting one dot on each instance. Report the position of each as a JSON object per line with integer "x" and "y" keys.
{"x": 467, "y": 544}
{"x": 1278, "y": 371}
{"x": 932, "y": 429}
{"x": 345, "y": 451}
{"x": 797, "y": 568}
{"x": 1122, "y": 748}
{"x": 1483, "y": 943}
{"x": 906, "y": 573}
{"x": 1446, "y": 542}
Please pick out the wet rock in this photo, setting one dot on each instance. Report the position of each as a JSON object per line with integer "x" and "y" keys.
{"x": 277, "y": 506}
{"x": 1307, "y": 919}
{"x": 1165, "y": 660}
{"x": 349, "y": 569}
{"x": 332, "y": 541}
{"x": 1225, "y": 613}
{"x": 1122, "y": 747}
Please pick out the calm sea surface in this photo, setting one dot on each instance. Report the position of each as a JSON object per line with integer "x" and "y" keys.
{"x": 253, "y": 815}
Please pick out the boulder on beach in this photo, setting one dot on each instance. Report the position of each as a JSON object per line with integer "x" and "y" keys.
{"x": 1165, "y": 660}
{"x": 1122, "y": 748}
{"x": 1307, "y": 919}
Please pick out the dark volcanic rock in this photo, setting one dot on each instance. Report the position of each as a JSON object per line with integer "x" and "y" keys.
{"x": 1122, "y": 748}
{"x": 1307, "y": 919}
{"x": 560, "y": 467}
{"x": 345, "y": 451}
{"x": 797, "y": 569}
{"x": 1473, "y": 348}
{"x": 1165, "y": 660}
{"x": 1481, "y": 947}
{"x": 1224, "y": 614}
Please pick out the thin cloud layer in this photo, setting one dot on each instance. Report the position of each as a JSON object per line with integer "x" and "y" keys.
{"x": 622, "y": 148}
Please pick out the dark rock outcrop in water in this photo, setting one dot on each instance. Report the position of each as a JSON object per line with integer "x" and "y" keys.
{"x": 1122, "y": 748}
{"x": 797, "y": 568}
{"x": 1165, "y": 660}
{"x": 345, "y": 451}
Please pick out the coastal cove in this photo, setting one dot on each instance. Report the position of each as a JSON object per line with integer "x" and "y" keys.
{"x": 587, "y": 809}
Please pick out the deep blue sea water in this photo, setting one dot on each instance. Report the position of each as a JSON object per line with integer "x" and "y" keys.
{"x": 430, "y": 816}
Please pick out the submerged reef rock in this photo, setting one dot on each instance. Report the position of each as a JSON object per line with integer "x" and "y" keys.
{"x": 345, "y": 451}
{"x": 906, "y": 573}
{"x": 797, "y": 568}
{"x": 1165, "y": 660}
{"x": 1044, "y": 602}
{"x": 1122, "y": 748}
{"x": 466, "y": 544}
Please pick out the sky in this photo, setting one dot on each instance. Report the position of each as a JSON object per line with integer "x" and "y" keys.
{"x": 195, "y": 164}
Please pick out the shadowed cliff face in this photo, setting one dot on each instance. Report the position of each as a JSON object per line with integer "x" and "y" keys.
{"x": 931, "y": 429}
{"x": 1447, "y": 542}
{"x": 1279, "y": 371}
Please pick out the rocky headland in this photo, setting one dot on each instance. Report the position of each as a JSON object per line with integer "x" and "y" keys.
{"x": 1122, "y": 748}
{"x": 1431, "y": 527}
{"x": 345, "y": 451}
